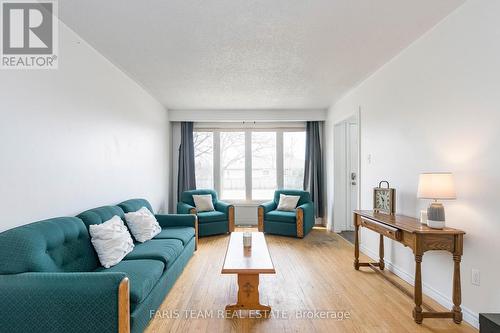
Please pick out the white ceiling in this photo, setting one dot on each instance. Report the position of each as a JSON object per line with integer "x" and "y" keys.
{"x": 259, "y": 54}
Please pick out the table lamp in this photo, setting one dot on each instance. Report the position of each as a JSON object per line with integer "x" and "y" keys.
{"x": 436, "y": 186}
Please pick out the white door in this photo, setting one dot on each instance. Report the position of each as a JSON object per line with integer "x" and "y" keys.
{"x": 346, "y": 173}
{"x": 352, "y": 151}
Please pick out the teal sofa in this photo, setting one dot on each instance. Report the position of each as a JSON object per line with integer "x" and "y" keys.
{"x": 51, "y": 279}
{"x": 298, "y": 223}
{"x": 220, "y": 221}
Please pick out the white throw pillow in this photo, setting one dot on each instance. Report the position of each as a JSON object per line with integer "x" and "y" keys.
{"x": 142, "y": 224}
{"x": 288, "y": 203}
{"x": 203, "y": 203}
{"x": 111, "y": 241}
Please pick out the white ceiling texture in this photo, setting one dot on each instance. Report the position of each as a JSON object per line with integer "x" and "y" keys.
{"x": 251, "y": 54}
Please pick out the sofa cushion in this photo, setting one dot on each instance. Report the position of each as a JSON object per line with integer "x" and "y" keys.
{"x": 215, "y": 216}
{"x": 213, "y": 228}
{"x": 143, "y": 276}
{"x": 165, "y": 250}
{"x": 100, "y": 214}
{"x": 142, "y": 224}
{"x": 133, "y": 205}
{"x": 281, "y": 216}
{"x": 55, "y": 245}
{"x": 111, "y": 241}
{"x": 183, "y": 234}
{"x": 288, "y": 203}
{"x": 203, "y": 202}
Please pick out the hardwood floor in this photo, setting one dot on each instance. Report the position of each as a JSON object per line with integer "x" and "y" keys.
{"x": 314, "y": 274}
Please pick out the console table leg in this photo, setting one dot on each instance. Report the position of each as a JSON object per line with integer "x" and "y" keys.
{"x": 457, "y": 293}
{"x": 356, "y": 244}
{"x": 417, "y": 311}
{"x": 381, "y": 264}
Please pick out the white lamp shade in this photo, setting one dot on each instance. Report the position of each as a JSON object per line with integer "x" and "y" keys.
{"x": 436, "y": 186}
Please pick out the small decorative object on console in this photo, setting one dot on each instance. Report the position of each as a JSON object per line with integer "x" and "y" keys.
{"x": 384, "y": 199}
{"x": 247, "y": 239}
{"x": 423, "y": 217}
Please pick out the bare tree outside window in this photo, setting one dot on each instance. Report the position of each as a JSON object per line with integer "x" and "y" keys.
{"x": 294, "y": 151}
{"x": 232, "y": 164}
{"x": 203, "y": 159}
{"x": 263, "y": 165}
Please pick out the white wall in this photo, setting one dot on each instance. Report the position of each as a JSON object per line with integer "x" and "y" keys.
{"x": 435, "y": 107}
{"x": 77, "y": 137}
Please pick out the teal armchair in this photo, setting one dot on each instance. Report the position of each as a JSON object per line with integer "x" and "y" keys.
{"x": 298, "y": 223}
{"x": 216, "y": 222}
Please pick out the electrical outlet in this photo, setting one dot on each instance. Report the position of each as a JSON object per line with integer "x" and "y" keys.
{"x": 475, "y": 277}
{"x": 369, "y": 158}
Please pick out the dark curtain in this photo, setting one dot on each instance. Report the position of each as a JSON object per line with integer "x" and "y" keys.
{"x": 313, "y": 171}
{"x": 186, "y": 176}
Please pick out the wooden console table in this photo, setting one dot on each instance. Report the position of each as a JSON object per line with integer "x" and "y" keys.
{"x": 420, "y": 238}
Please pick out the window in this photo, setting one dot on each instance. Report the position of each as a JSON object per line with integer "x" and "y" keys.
{"x": 204, "y": 159}
{"x": 232, "y": 165}
{"x": 249, "y": 164}
{"x": 294, "y": 150}
{"x": 263, "y": 165}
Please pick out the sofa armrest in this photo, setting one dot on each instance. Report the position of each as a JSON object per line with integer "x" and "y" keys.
{"x": 264, "y": 208}
{"x": 228, "y": 210}
{"x": 223, "y": 207}
{"x": 179, "y": 220}
{"x": 62, "y": 302}
{"x": 184, "y": 208}
{"x": 176, "y": 220}
{"x": 268, "y": 206}
{"x": 305, "y": 213}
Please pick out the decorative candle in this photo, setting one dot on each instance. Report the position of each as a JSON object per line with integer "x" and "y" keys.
{"x": 247, "y": 239}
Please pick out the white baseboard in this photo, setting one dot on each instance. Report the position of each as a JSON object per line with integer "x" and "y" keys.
{"x": 337, "y": 229}
{"x": 469, "y": 316}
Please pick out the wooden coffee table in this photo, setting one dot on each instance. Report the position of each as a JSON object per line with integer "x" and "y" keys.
{"x": 248, "y": 264}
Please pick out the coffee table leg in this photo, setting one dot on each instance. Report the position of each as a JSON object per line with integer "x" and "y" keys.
{"x": 248, "y": 294}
